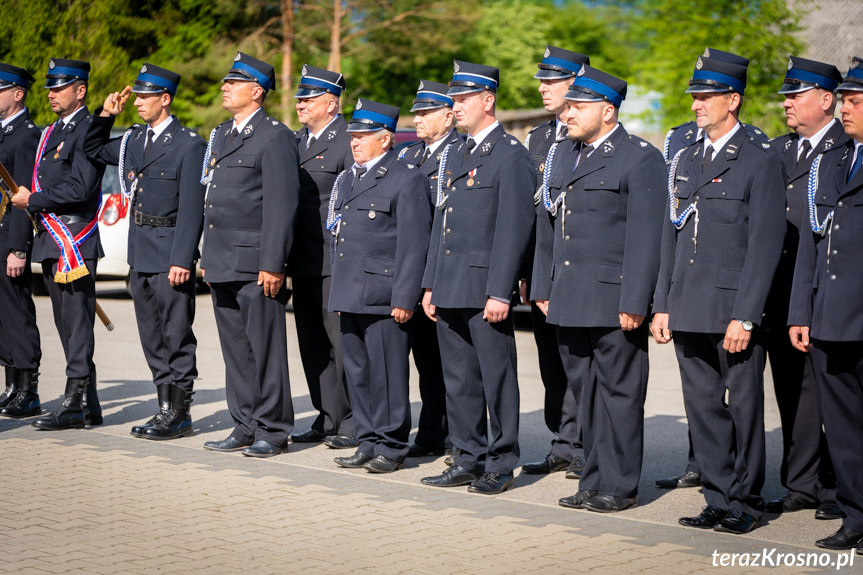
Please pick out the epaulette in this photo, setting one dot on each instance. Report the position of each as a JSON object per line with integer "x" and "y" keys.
{"x": 640, "y": 142}
{"x": 760, "y": 144}
{"x": 512, "y": 140}
{"x": 546, "y": 123}
{"x": 752, "y": 130}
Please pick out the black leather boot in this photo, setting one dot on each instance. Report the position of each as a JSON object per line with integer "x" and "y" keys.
{"x": 13, "y": 379}
{"x": 163, "y": 393}
{"x": 70, "y": 414}
{"x": 92, "y": 407}
{"x": 177, "y": 422}
{"x": 26, "y": 401}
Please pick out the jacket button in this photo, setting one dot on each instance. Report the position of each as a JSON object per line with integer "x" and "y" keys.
{"x": 211, "y": 226}
{"x": 446, "y": 252}
{"x": 691, "y": 262}
{"x": 566, "y": 263}
{"x": 347, "y": 207}
{"x": 601, "y": 183}
{"x": 449, "y": 231}
{"x": 161, "y": 173}
{"x": 840, "y": 204}
{"x": 784, "y": 252}
{"x": 835, "y": 252}
{"x": 569, "y": 188}
{"x": 449, "y": 210}
{"x": 453, "y": 188}
{"x": 239, "y": 161}
{"x": 696, "y": 197}
{"x": 140, "y": 175}
{"x": 833, "y": 277}
{"x": 835, "y": 226}
{"x": 569, "y": 212}
{"x": 217, "y": 165}
{"x": 621, "y": 277}
{"x": 566, "y": 239}
{"x": 372, "y": 205}
{"x": 211, "y": 206}
{"x": 723, "y": 193}
{"x": 386, "y": 271}
{"x": 341, "y": 240}
{"x": 787, "y": 208}
{"x": 341, "y": 256}
{"x": 302, "y": 166}
{"x": 790, "y": 186}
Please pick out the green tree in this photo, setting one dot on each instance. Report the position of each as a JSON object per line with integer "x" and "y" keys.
{"x": 670, "y": 35}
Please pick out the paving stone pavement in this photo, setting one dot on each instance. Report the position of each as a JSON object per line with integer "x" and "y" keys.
{"x": 99, "y": 501}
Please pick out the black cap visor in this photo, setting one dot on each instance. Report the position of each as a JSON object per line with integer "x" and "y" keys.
{"x": 707, "y": 87}
{"x": 361, "y": 125}
{"x": 54, "y": 81}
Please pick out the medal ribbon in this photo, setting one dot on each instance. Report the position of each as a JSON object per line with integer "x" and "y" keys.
{"x": 71, "y": 265}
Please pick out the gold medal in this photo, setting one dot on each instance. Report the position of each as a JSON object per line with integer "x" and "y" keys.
{"x": 213, "y": 162}
{"x": 676, "y": 203}
{"x": 57, "y": 155}
{"x": 541, "y": 167}
{"x": 470, "y": 182}
{"x": 448, "y": 182}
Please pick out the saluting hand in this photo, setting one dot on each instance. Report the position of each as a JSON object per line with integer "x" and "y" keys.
{"x": 799, "y": 335}
{"x": 401, "y": 314}
{"x": 659, "y": 328}
{"x": 114, "y": 103}
{"x": 272, "y": 282}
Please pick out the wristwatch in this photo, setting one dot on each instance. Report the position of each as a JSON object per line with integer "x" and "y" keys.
{"x": 18, "y": 254}
{"x": 747, "y": 325}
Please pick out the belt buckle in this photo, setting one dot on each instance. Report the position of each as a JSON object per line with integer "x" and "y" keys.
{"x": 139, "y": 218}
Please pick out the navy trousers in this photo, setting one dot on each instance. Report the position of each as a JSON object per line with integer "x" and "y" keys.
{"x": 20, "y": 345}
{"x": 74, "y": 306}
{"x": 433, "y": 425}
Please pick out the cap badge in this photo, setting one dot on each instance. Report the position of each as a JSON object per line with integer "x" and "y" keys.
{"x": 359, "y": 104}
{"x": 854, "y": 63}
{"x": 51, "y": 64}
{"x": 237, "y": 57}
{"x": 580, "y": 71}
{"x": 699, "y": 65}
{"x": 547, "y": 53}
{"x": 455, "y": 67}
{"x": 790, "y": 63}
{"x": 422, "y": 86}
{"x": 305, "y": 70}
{"x": 144, "y": 69}
{"x": 707, "y": 52}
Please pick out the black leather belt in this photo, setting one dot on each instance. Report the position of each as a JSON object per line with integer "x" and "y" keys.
{"x": 142, "y": 219}
{"x": 68, "y": 220}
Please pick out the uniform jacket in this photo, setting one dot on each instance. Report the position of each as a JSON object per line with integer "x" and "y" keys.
{"x": 71, "y": 186}
{"x": 727, "y": 274}
{"x": 251, "y": 203}
{"x": 604, "y": 258}
{"x": 320, "y": 165}
{"x": 383, "y": 239}
{"x": 686, "y": 134}
{"x": 489, "y": 215}
{"x": 169, "y": 185}
{"x": 827, "y": 286}
{"x": 18, "y": 142}
{"x": 413, "y": 154}
{"x": 796, "y": 211}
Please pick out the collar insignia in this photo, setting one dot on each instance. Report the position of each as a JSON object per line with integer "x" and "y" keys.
{"x": 787, "y": 145}
{"x": 248, "y": 130}
{"x": 486, "y": 146}
{"x": 9, "y": 129}
{"x": 689, "y": 133}
{"x": 828, "y": 143}
{"x": 331, "y": 135}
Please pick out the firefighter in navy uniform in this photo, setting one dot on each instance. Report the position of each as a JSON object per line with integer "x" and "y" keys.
{"x": 597, "y": 257}
{"x": 253, "y": 183}
{"x": 20, "y": 349}
{"x": 65, "y": 199}
{"x": 719, "y": 252}
{"x": 556, "y": 71}
{"x": 678, "y": 138}
{"x": 480, "y": 233}
{"x": 160, "y": 171}
{"x": 825, "y": 313}
{"x": 435, "y": 124}
{"x": 381, "y": 223}
{"x": 806, "y": 470}
{"x": 325, "y": 152}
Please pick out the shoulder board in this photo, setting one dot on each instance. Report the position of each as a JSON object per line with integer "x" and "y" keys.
{"x": 511, "y": 139}
{"x": 544, "y": 124}
{"x": 403, "y": 152}
{"x": 640, "y": 142}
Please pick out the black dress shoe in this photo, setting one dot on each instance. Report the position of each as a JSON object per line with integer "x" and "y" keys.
{"x": 419, "y": 450}
{"x": 550, "y": 464}
{"x": 688, "y": 479}
{"x": 576, "y": 468}
{"x": 860, "y": 550}
{"x": 263, "y": 448}
{"x": 450, "y": 459}
{"x": 577, "y": 500}
{"x": 843, "y": 539}
{"x": 736, "y": 522}
{"x": 454, "y": 476}
{"x": 609, "y": 503}
{"x": 308, "y": 436}
{"x": 709, "y": 516}
{"x": 382, "y": 464}
{"x": 229, "y": 444}
{"x": 788, "y": 504}
{"x": 829, "y": 510}
{"x": 492, "y": 483}
{"x": 341, "y": 441}
{"x": 355, "y": 461}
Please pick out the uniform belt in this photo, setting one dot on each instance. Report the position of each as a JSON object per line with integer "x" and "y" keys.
{"x": 68, "y": 220}
{"x": 142, "y": 219}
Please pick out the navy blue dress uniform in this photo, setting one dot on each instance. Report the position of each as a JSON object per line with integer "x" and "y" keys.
{"x": 680, "y": 137}
{"x": 382, "y": 236}
{"x": 433, "y": 427}
{"x": 162, "y": 180}
{"x": 66, "y": 197}
{"x": 310, "y": 263}
{"x": 828, "y": 279}
{"x": 806, "y": 469}
{"x": 479, "y": 238}
{"x": 717, "y": 267}
{"x": 601, "y": 243}
{"x": 20, "y": 347}
{"x": 249, "y": 215}
{"x": 561, "y": 406}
